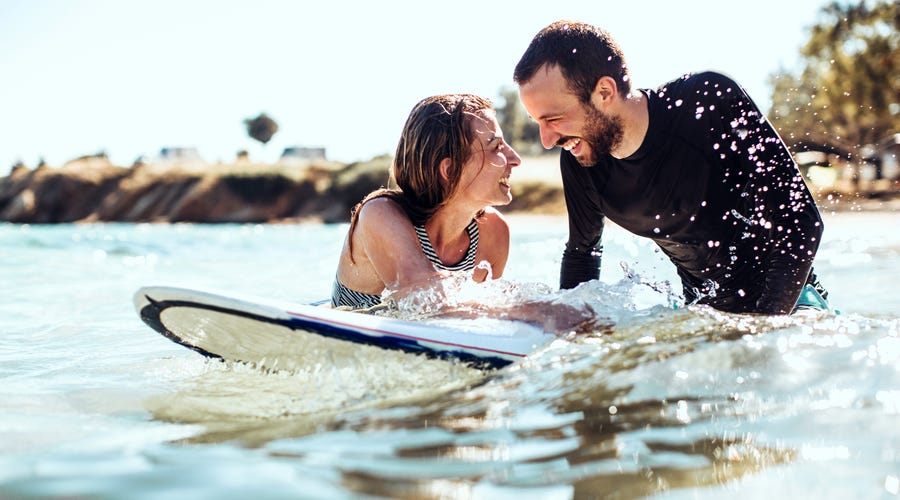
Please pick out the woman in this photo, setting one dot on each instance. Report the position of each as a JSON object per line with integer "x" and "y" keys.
{"x": 452, "y": 165}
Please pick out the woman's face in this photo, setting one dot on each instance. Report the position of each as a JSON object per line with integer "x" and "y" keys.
{"x": 485, "y": 176}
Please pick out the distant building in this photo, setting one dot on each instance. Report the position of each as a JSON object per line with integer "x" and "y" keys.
{"x": 875, "y": 169}
{"x": 885, "y": 155}
{"x": 303, "y": 153}
{"x": 817, "y": 168}
{"x": 178, "y": 154}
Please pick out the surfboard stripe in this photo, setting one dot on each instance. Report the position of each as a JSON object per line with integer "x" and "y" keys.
{"x": 411, "y": 337}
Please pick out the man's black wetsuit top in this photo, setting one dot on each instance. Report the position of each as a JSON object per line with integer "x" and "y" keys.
{"x": 715, "y": 187}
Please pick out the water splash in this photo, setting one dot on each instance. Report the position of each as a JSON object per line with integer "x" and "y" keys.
{"x": 706, "y": 290}
{"x": 458, "y": 290}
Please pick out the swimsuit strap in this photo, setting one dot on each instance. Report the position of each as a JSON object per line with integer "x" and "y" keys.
{"x": 466, "y": 264}
{"x": 343, "y": 296}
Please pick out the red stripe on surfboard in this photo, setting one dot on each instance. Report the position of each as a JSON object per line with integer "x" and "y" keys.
{"x": 395, "y": 334}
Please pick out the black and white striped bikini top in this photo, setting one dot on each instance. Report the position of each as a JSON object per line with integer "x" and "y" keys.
{"x": 466, "y": 264}
{"x": 343, "y": 296}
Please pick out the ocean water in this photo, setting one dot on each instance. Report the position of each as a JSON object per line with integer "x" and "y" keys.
{"x": 669, "y": 402}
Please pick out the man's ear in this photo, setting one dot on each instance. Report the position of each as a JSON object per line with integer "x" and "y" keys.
{"x": 605, "y": 92}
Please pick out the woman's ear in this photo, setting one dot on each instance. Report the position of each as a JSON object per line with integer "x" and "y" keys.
{"x": 445, "y": 169}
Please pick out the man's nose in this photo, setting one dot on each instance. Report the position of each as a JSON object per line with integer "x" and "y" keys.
{"x": 549, "y": 138}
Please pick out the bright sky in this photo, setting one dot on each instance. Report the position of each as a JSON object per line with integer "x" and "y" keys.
{"x": 130, "y": 77}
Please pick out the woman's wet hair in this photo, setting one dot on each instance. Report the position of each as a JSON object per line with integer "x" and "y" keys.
{"x": 438, "y": 127}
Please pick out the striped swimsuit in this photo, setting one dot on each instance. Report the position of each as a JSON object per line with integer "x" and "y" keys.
{"x": 343, "y": 296}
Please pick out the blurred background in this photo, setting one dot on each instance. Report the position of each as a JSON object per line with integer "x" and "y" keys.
{"x": 225, "y": 82}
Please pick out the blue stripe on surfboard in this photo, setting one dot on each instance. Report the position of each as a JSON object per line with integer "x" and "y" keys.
{"x": 381, "y": 332}
{"x": 151, "y": 312}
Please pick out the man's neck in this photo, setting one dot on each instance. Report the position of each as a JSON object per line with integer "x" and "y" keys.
{"x": 635, "y": 122}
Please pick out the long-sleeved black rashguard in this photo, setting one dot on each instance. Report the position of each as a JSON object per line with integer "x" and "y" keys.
{"x": 715, "y": 187}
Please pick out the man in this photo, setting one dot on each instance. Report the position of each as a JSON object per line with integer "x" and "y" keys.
{"x": 693, "y": 165}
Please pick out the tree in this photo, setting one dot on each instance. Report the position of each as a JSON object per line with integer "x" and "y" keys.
{"x": 522, "y": 133}
{"x": 261, "y": 128}
{"x": 846, "y": 94}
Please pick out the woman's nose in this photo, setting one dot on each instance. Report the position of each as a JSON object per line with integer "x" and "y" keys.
{"x": 513, "y": 158}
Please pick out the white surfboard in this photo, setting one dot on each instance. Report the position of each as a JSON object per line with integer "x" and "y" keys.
{"x": 279, "y": 335}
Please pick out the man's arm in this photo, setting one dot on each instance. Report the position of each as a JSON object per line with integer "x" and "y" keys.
{"x": 784, "y": 208}
{"x": 582, "y": 256}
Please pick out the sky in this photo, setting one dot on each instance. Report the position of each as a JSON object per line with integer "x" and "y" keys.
{"x": 128, "y": 77}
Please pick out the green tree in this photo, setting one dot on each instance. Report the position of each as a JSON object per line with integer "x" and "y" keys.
{"x": 522, "y": 133}
{"x": 846, "y": 94}
{"x": 261, "y": 128}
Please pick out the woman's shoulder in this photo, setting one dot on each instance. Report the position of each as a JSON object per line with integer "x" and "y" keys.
{"x": 493, "y": 215}
{"x": 380, "y": 207}
{"x": 380, "y": 216}
{"x": 493, "y": 222}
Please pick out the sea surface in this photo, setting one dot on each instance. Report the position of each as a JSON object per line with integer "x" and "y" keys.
{"x": 669, "y": 402}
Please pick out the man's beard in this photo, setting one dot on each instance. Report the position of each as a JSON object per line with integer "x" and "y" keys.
{"x": 602, "y": 132}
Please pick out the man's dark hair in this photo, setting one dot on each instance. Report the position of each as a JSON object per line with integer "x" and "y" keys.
{"x": 584, "y": 53}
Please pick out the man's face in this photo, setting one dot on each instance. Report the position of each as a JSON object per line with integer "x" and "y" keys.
{"x": 585, "y": 131}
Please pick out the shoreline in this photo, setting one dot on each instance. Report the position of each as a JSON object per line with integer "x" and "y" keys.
{"x": 890, "y": 216}
{"x": 94, "y": 190}
{"x": 519, "y": 217}
{"x": 856, "y": 204}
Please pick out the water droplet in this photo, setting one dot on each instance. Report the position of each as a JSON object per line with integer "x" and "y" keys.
{"x": 678, "y": 102}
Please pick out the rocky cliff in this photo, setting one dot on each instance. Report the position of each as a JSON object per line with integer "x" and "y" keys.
{"x": 94, "y": 190}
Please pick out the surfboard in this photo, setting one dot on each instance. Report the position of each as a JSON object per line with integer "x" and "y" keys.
{"x": 279, "y": 335}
